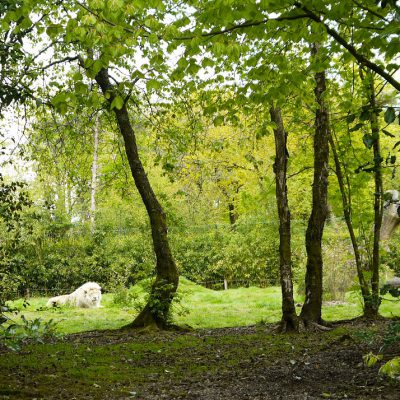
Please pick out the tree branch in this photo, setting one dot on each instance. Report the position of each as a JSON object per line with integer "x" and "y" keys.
{"x": 365, "y": 8}
{"x": 63, "y": 60}
{"x": 108, "y": 22}
{"x": 304, "y": 169}
{"x": 246, "y": 24}
{"x": 350, "y": 48}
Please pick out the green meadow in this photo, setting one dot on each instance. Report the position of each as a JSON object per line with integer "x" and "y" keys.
{"x": 196, "y": 306}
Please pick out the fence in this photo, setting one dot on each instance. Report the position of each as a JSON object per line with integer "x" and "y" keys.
{"x": 213, "y": 285}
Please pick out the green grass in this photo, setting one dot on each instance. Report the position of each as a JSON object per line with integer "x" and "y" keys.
{"x": 204, "y": 308}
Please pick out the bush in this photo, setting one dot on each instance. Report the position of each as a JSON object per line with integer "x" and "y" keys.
{"x": 125, "y": 297}
{"x": 248, "y": 253}
{"x": 13, "y": 335}
{"x": 63, "y": 258}
{"x": 392, "y": 257}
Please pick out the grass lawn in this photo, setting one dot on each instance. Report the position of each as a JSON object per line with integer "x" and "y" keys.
{"x": 198, "y": 307}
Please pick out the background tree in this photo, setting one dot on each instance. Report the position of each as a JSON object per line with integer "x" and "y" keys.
{"x": 312, "y": 308}
{"x": 232, "y": 61}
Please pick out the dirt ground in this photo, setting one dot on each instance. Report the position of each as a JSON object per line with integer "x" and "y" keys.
{"x": 233, "y": 363}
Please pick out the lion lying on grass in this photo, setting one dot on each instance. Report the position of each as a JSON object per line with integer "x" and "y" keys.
{"x": 86, "y": 296}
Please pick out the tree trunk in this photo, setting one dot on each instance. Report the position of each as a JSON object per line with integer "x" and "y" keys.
{"x": 347, "y": 211}
{"x": 371, "y": 306}
{"x": 311, "y": 311}
{"x": 93, "y": 188}
{"x": 156, "y": 311}
{"x": 232, "y": 213}
{"x": 67, "y": 199}
{"x": 289, "y": 320}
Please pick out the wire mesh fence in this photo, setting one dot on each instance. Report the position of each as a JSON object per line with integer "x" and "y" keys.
{"x": 222, "y": 284}
{"x": 75, "y": 233}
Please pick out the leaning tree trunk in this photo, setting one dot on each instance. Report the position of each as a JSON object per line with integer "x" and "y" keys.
{"x": 311, "y": 311}
{"x": 156, "y": 311}
{"x": 289, "y": 320}
{"x": 371, "y": 306}
{"x": 347, "y": 211}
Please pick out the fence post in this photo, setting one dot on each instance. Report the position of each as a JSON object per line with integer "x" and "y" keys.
{"x": 225, "y": 284}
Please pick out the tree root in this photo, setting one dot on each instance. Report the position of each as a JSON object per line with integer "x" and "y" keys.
{"x": 315, "y": 327}
{"x": 361, "y": 318}
{"x": 301, "y": 325}
{"x": 146, "y": 321}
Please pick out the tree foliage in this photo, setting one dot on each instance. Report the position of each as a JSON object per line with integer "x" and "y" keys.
{"x": 190, "y": 85}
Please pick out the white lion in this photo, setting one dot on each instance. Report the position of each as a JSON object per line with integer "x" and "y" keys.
{"x": 86, "y": 296}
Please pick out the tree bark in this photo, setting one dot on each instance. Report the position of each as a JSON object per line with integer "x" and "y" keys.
{"x": 156, "y": 311}
{"x": 289, "y": 321}
{"x": 232, "y": 213}
{"x": 93, "y": 188}
{"x": 371, "y": 306}
{"x": 312, "y": 308}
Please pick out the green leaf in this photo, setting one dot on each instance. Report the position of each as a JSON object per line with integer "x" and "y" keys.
{"x": 97, "y": 66}
{"x": 390, "y": 115}
{"x": 368, "y": 140}
{"x": 365, "y": 115}
{"x": 153, "y": 84}
{"x": 81, "y": 87}
{"x": 219, "y": 48}
{"x": 116, "y": 4}
{"x": 233, "y": 51}
{"x": 371, "y": 359}
{"x": 193, "y": 68}
{"x": 183, "y": 63}
{"x": 207, "y": 62}
{"x": 392, "y": 66}
{"x": 219, "y": 120}
{"x": 117, "y": 103}
{"x": 59, "y": 98}
{"x": 153, "y": 38}
{"x": 356, "y": 127}
{"x": 391, "y": 368}
{"x": 77, "y": 76}
{"x": 96, "y": 4}
{"x": 54, "y": 30}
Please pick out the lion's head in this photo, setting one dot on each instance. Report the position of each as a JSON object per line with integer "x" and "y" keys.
{"x": 93, "y": 295}
{"x": 88, "y": 295}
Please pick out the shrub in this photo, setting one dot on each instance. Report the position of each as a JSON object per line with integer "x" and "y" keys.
{"x": 14, "y": 334}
